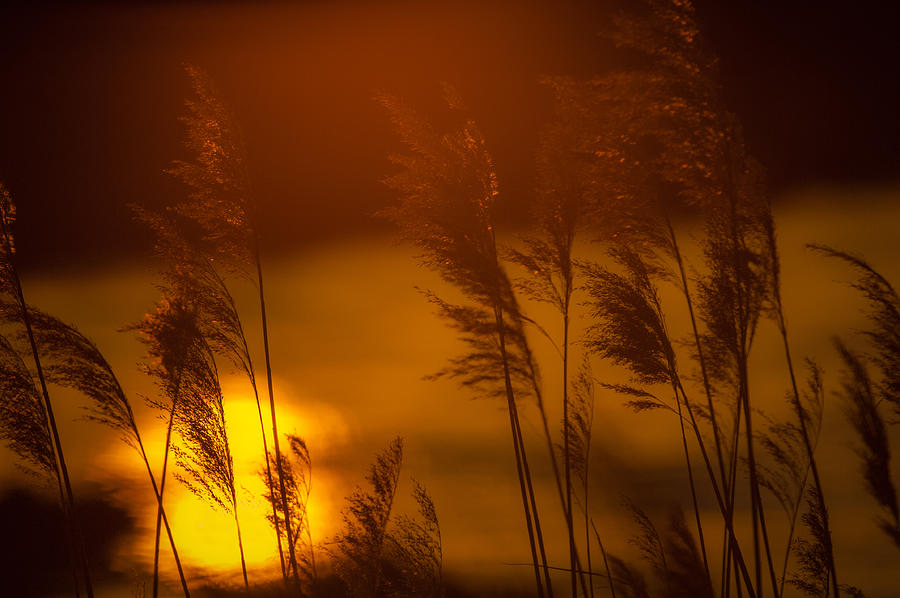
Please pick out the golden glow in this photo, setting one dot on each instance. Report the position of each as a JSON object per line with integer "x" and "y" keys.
{"x": 206, "y": 538}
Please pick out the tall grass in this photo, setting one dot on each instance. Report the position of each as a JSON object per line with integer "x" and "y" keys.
{"x": 447, "y": 189}
{"x": 167, "y": 332}
{"x": 76, "y": 362}
{"x": 362, "y": 544}
{"x": 204, "y": 454}
{"x": 297, "y": 468}
{"x": 564, "y": 197}
{"x": 223, "y": 206}
{"x": 867, "y": 396}
{"x": 19, "y": 313}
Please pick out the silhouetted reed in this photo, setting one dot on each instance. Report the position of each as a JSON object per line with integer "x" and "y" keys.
{"x": 676, "y": 146}
{"x": 860, "y": 392}
{"x": 222, "y": 205}
{"x": 23, "y": 420}
{"x": 378, "y": 554}
{"x": 864, "y": 395}
{"x": 17, "y": 312}
{"x": 204, "y": 454}
{"x": 298, "y": 482}
{"x": 447, "y": 189}
{"x": 193, "y": 276}
{"x": 565, "y": 190}
{"x": 790, "y": 447}
{"x": 75, "y": 361}
{"x": 677, "y": 565}
{"x": 631, "y": 331}
{"x": 417, "y": 550}
{"x": 362, "y": 544}
{"x": 578, "y": 448}
{"x": 802, "y": 412}
{"x": 168, "y": 333}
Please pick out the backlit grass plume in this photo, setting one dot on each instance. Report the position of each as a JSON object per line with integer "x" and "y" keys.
{"x": 790, "y": 445}
{"x": 74, "y": 361}
{"x": 675, "y": 560}
{"x": 417, "y": 550}
{"x": 447, "y": 189}
{"x": 23, "y": 420}
{"x": 883, "y": 332}
{"x": 191, "y": 275}
{"x": 298, "y": 482}
{"x": 862, "y": 407}
{"x": 204, "y": 454}
{"x": 223, "y": 206}
{"x": 17, "y": 313}
{"x": 221, "y": 202}
{"x": 566, "y": 187}
{"x": 363, "y": 543}
{"x": 864, "y": 394}
{"x": 630, "y": 330}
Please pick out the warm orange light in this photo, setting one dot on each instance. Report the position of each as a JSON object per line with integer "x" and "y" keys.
{"x": 206, "y": 538}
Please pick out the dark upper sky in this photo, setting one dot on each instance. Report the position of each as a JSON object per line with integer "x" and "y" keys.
{"x": 92, "y": 94}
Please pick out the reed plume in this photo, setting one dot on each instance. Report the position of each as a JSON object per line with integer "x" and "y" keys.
{"x": 362, "y": 544}
{"x": 860, "y": 393}
{"x": 447, "y": 190}
{"x": 224, "y": 208}
{"x": 74, "y": 361}
{"x": 564, "y": 197}
{"x": 864, "y": 395}
{"x": 17, "y": 311}
{"x": 676, "y": 148}
{"x": 204, "y": 455}
{"x": 298, "y": 474}
{"x": 190, "y": 274}
{"x": 167, "y": 332}
{"x": 630, "y": 330}
{"x": 673, "y": 555}
{"x": 790, "y": 446}
{"x": 417, "y": 551}
{"x": 23, "y": 420}
{"x": 578, "y": 448}
{"x": 883, "y": 314}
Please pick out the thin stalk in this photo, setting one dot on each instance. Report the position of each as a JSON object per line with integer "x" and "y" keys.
{"x": 732, "y": 491}
{"x": 265, "y": 330}
{"x": 237, "y": 525}
{"x": 765, "y": 536}
{"x": 269, "y": 482}
{"x": 758, "y": 513}
{"x": 706, "y": 384}
{"x": 70, "y": 540}
{"x": 534, "y": 510}
{"x": 251, "y": 372}
{"x": 517, "y": 449}
{"x": 567, "y": 464}
{"x": 162, "y": 514}
{"x": 810, "y": 452}
{"x": 556, "y": 473}
{"x": 609, "y": 576}
{"x": 698, "y": 345}
{"x": 587, "y": 534}
{"x": 690, "y": 472}
{"x": 739, "y": 248}
{"x": 162, "y": 487}
{"x": 735, "y": 547}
